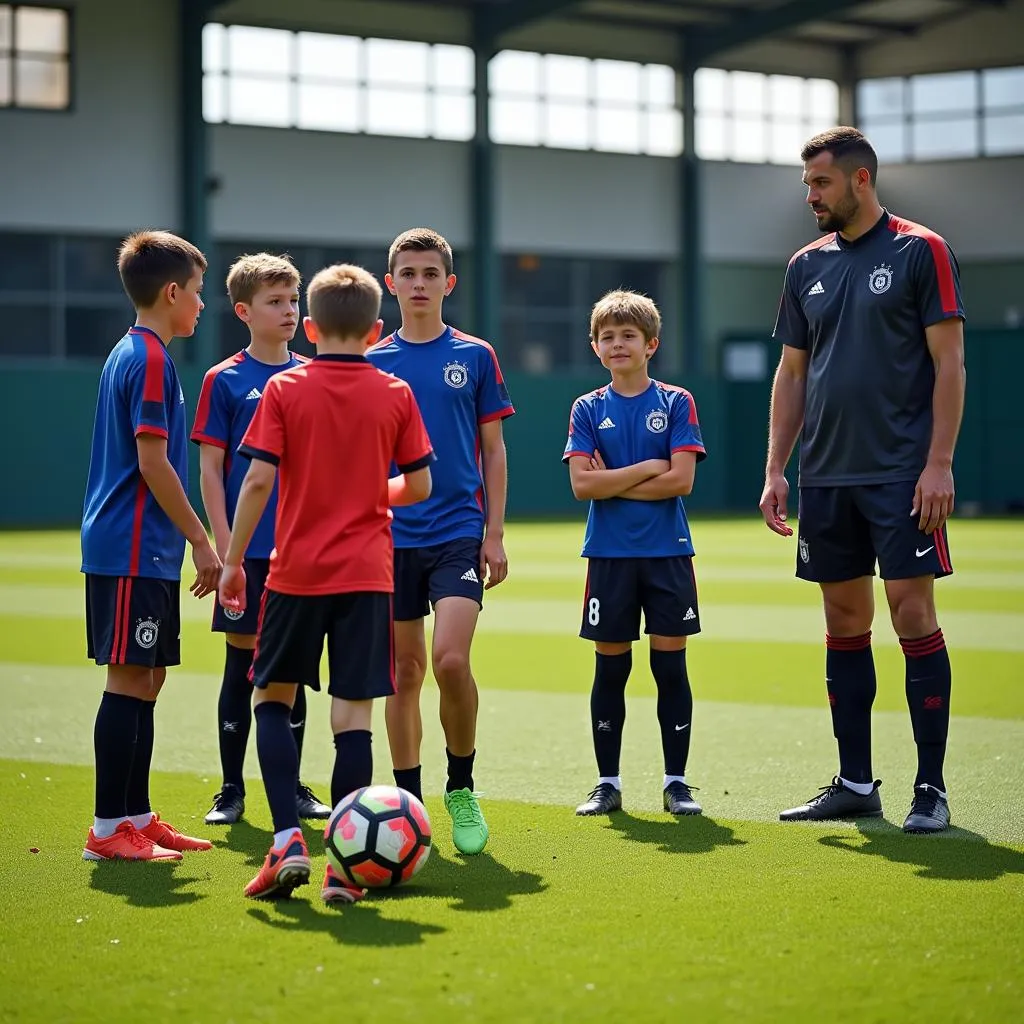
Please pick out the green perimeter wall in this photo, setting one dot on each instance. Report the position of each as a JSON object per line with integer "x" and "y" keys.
{"x": 46, "y": 415}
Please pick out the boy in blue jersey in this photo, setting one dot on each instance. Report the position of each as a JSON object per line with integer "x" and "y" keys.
{"x": 449, "y": 548}
{"x": 633, "y": 450}
{"x": 135, "y": 522}
{"x": 264, "y": 292}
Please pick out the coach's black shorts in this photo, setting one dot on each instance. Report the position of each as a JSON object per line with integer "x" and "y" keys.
{"x": 424, "y": 575}
{"x": 247, "y": 622}
{"x": 133, "y": 620}
{"x": 360, "y": 643}
{"x": 844, "y": 530}
{"x": 618, "y": 589}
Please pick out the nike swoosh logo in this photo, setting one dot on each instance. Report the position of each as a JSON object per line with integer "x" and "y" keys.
{"x": 680, "y": 728}
{"x": 921, "y": 554}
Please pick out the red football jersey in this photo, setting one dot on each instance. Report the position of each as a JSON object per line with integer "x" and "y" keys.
{"x": 334, "y": 427}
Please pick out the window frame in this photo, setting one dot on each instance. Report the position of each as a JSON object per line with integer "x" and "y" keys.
{"x": 13, "y": 53}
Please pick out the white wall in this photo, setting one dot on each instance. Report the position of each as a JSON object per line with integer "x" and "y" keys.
{"x": 109, "y": 163}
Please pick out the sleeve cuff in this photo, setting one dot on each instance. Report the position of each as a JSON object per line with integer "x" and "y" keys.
{"x": 420, "y": 463}
{"x": 217, "y": 442}
{"x": 499, "y": 415}
{"x": 147, "y": 428}
{"x": 249, "y": 452}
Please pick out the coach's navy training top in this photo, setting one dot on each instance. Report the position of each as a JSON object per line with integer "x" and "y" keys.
{"x": 652, "y": 425}
{"x": 124, "y": 531}
{"x": 458, "y": 385}
{"x": 861, "y": 308}
{"x": 227, "y": 403}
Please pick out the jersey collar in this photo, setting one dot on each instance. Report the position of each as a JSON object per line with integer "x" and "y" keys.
{"x": 444, "y": 334}
{"x": 339, "y": 357}
{"x": 136, "y": 329}
{"x": 876, "y": 229}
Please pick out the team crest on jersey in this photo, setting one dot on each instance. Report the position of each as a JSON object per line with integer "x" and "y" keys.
{"x": 232, "y": 614}
{"x": 146, "y": 632}
{"x": 805, "y": 551}
{"x": 880, "y": 279}
{"x": 657, "y": 421}
{"x": 456, "y": 374}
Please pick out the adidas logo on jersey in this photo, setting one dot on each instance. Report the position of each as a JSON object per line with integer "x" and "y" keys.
{"x": 817, "y": 289}
{"x": 690, "y": 615}
{"x": 605, "y": 424}
{"x": 471, "y": 576}
{"x": 253, "y": 395}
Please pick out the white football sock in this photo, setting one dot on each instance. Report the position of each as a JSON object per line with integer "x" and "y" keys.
{"x": 928, "y": 785}
{"x": 611, "y": 780}
{"x": 669, "y": 779}
{"x": 104, "y": 828}
{"x": 280, "y": 838}
{"x": 860, "y": 788}
{"x": 140, "y": 821}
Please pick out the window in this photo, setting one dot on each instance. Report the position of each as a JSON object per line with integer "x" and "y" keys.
{"x": 34, "y": 57}
{"x": 61, "y": 296}
{"x": 963, "y": 114}
{"x": 755, "y": 118}
{"x": 546, "y": 303}
{"x": 573, "y": 103}
{"x": 321, "y": 82}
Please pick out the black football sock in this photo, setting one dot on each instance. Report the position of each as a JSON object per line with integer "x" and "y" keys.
{"x": 279, "y": 762}
{"x": 298, "y": 719}
{"x": 234, "y": 714}
{"x": 460, "y": 771}
{"x": 410, "y": 779}
{"x": 117, "y": 724}
{"x": 850, "y": 678}
{"x": 929, "y": 683}
{"x": 608, "y": 709}
{"x": 137, "y": 794}
{"x": 675, "y": 707}
{"x": 353, "y": 763}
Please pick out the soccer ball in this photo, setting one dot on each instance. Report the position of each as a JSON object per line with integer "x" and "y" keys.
{"x": 378, "y": 836}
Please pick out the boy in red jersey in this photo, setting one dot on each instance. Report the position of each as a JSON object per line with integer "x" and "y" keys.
{"x": 135, "y": 522}
{"x": 333, "y": 427}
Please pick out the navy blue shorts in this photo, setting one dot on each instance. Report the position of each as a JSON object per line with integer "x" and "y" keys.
{"x": 424, "y": 575}
{"x": 247, "y": 622}
{"x": 133, "y": 620}
{"x": 845, "y": 530}
{"x": 360, "y": 642}
{"x": 618, "y": 589}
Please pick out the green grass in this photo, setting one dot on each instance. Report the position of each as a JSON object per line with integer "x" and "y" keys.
{"x": 729, "y": 916}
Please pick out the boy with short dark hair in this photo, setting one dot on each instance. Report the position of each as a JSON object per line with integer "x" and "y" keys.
{"x": 449, "y": 549}
{"x": 264, "y": 292}
{"x": 333, "y": 427}
{"x": 632, "y": 452}
{"x": 135, "y": 522}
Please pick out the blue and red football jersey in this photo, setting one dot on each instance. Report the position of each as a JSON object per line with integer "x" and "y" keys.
{"x": 458, "y": 385}
{"x": 124, "y": 531}
{"x": 653, "y": 425}
{"x": 227, "y": 403}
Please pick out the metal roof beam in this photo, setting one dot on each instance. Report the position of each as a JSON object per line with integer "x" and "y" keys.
{"x": 701, "y": 46}
{"x": 513, "y": 14}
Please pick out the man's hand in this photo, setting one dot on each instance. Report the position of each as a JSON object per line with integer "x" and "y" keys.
{"x": 774, "y": 501}
{"x": 933, "y": 497}
{"x": 208, "y": 565}
{"x": 493, "y": 561}
{"x": 231, "y": 591}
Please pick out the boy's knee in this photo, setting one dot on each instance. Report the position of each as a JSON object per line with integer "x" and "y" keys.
{"x": 451, "y": 667}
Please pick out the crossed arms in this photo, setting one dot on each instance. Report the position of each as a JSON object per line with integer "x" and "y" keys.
{"x": 650, "y": 480}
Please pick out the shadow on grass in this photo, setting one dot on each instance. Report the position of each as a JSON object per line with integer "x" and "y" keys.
{"x": 956, "y": 854}
{"x": 478, "y": 884}
{"x": 144, "y": 885}
{"x": 254, "y": 842}
{"x": 361, "y": 924}
{"x": 687, "y": 834}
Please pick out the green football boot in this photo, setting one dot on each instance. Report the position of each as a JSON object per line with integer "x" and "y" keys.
{"x": 469, "y": 830}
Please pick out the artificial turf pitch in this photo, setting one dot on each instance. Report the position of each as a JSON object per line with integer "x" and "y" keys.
{"x": 638, "y": 916}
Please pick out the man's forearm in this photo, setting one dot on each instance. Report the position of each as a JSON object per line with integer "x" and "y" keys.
{"x": 947, "y": 411}
{"x": 785, "y": 419}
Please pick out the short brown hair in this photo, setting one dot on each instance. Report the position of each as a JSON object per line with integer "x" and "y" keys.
{"x": 150, "y": 260}
{"x": 252, "y": 270}
{"x": 849, "y": 147}
{"x": 344, "y": 301}
{"x": 621, "y": 307}
{"x": 422, "y": 240}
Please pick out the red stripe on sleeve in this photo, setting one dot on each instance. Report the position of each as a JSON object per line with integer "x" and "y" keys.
{"x": 199, "y": 435}
{"x": 156, "y": 355}
{"x": 940, "y": 256}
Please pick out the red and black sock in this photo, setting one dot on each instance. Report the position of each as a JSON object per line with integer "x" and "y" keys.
{"x": 929, "y": 683}
{"x": 850, "y": 678}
